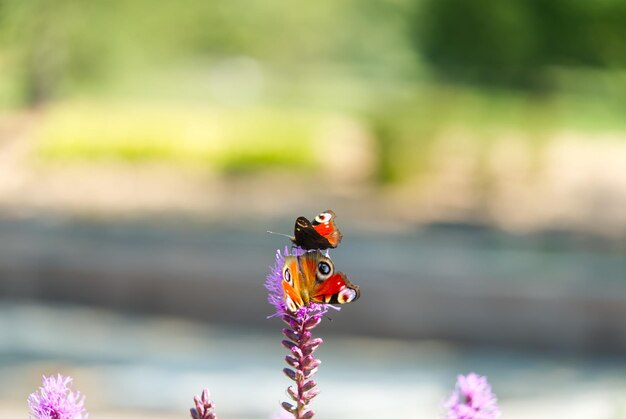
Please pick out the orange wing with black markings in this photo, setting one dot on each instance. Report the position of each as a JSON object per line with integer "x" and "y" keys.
{"x": 292, "y": 284}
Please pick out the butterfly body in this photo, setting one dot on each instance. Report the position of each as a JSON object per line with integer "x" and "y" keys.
{"x": 321, "y": 234}
{"x": 311, "y": 278}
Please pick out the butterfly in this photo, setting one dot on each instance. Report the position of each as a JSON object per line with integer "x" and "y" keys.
{"x": 320, "y": 234}
{"x": 311, "y": 277}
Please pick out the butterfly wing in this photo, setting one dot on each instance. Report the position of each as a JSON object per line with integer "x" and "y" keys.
{"x": 331, "y": 287}
{"x": 321, "y": 234}
{"x": 336, "y": 290}
{"x": 312, "y": 277}
{"x": 291, "y": 283}
{"x": 325, "y": 225}
{"x": 307, "y": 237}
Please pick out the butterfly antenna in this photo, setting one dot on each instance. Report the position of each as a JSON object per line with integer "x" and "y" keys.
{"x": 280, "y": 234}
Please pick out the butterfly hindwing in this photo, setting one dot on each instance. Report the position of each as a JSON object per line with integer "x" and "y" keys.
{"x": 307, "y": 237}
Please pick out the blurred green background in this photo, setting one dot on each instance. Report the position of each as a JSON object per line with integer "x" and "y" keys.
{"x": 475, "y": 153}
{"x": 389, "y": 87}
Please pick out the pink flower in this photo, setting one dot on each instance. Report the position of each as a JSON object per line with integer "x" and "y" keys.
{"x": 204, "y": 406}
{"x": 55, "y": 400}
{"x": 472, "y": 399}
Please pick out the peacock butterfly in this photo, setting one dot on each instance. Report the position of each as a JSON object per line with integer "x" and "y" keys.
{"x": 320, "y": 234}
{"x": 311, "y": 277}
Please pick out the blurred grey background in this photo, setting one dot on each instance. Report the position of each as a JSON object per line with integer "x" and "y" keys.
{"x": 475, "y": 155}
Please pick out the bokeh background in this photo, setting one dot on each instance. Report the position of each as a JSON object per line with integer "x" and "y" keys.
{"x": 474, "y": 152}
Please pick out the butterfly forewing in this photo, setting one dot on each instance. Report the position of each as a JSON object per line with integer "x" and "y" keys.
{"x": 292, "y": 282}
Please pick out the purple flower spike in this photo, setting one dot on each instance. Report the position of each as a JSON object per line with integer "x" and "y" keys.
{"x": 55, "y": 400}
{"x": 204, "y": 406}
{"x": 472, "y": 399}
{"x": 300, "y": 343}
{"x": 301, "y": 346}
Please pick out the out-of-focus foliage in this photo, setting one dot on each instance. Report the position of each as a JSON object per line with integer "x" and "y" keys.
{"x": 47, "y": 45}
{"x": 517, "y": 42}
{"x": 57, "y": 47}
{"x": 170, "y": 81}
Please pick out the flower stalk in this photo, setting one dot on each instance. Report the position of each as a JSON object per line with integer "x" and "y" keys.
{"x": 303, "y": 363}
{"x": 299, "y": 341}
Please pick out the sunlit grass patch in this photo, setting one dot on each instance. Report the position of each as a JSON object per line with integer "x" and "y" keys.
{"x": 224, "y": 139}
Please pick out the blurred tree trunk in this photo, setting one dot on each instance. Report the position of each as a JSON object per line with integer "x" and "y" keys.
{"x": 43, "y": 70}
{"x": 34, "y": 43}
